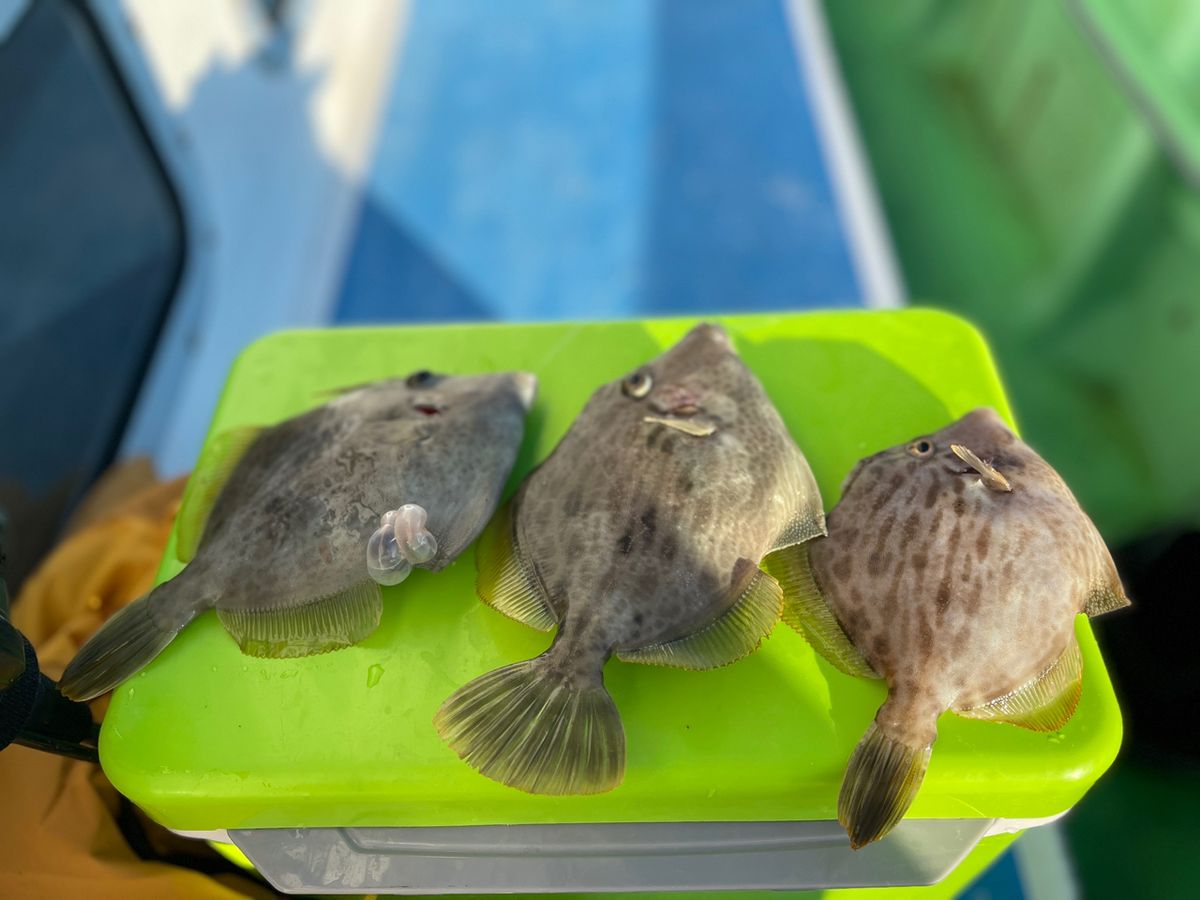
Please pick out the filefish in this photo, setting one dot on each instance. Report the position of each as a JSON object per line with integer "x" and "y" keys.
{"x": 294, "y": 528}
{"x": 640, "y": 536}
{"x": 954, "y": 568}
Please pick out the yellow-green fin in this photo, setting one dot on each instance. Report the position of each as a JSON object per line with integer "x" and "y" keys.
{"x": 805, "y": 610}
{"x": 736, "y": 633}
{"x": 1045, "y": 703}
{"x": 324, "y": 624}
{"x": 217, "y": 462}
{"x": 503, "y": 582}
{"x": 880, "y": 784}
{"x": 1105, "y": 600}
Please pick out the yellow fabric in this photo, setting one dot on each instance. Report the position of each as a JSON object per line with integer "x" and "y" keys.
{"x": 58, "y": 832}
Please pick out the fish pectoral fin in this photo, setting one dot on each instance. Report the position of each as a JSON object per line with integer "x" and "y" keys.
{"x": 217, "y": 462}
{"x": 805, "y": 610}
{"x": 503, "y": 581}
{"x": 322, "y": 624}
{"x": 1045, "y": 703}
{"x": 737, "y": 632}
{"x": 1105, "y": 600}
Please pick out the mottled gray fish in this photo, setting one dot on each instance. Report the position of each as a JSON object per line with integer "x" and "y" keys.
{"x": 641, "y": 536}
{"x": 294, "y": 527}
{"x": 955, "y": 564}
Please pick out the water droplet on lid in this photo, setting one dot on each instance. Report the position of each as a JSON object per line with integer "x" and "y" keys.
{"x": 374, "y": 673}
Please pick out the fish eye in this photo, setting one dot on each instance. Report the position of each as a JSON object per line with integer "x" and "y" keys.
{"x": 420, "y": 379}
{"x": 921, "y": 448}
{"x": 637, "y": 385}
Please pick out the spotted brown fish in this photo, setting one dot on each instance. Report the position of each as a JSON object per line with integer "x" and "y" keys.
{"x": 640, "y": 536}
{"x": 955, "y": 565}
{"x": 293, "y": 528}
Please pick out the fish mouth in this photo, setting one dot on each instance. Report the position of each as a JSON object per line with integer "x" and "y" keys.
{"x": 428, "y": 409}
{"x": 711, "y": 332}
{"x": 678, "y": 407}
{"x": 675, "y": 400}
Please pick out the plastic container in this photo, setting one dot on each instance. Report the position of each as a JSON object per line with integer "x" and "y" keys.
{"x": 214, "y": 743}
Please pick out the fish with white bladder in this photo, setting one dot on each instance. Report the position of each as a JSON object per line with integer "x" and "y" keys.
{"x": 289, "y": 531}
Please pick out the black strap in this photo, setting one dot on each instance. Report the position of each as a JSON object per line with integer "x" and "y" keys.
{"x": 18, "y": 701}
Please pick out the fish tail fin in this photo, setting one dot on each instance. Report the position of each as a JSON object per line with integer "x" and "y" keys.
{"x": 881, "y": 781}
{"x": 127, "y": 642}
{"x": 538, "y": 729}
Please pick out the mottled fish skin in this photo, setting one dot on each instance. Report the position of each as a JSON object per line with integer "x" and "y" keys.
{"x": 294, "y": 519}
{"x": 644, "y": 527}
{"x": 955, "y": 593}
{"x": 289, "y": 529}
{"x": 636, "y": 528}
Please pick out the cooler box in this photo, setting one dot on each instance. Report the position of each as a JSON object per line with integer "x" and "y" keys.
{"x": 328, "y": 773}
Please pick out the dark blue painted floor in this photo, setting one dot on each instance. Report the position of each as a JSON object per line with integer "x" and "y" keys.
{"x": 544, "y": 161}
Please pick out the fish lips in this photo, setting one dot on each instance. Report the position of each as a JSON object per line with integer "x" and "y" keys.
{"x": 677, "y": 407}
{"x": 675, "y": 400}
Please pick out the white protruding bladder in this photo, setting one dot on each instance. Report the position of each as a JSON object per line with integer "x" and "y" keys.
{"x": 400, "y": 542}
{"x": 418, "y": 541}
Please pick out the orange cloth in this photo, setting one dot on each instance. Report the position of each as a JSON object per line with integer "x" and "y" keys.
{"x": 58, "y": 832}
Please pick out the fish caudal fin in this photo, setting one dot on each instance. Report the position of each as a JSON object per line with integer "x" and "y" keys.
{"x": 805, "y": 610}
{"x": 881, "y": 781}
{"x": 125, "y": 644}
{"x": 532, "y": 728}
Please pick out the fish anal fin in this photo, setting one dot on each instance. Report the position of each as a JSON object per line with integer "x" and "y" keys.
{"x": 1045, "y": 703}
{"x": 735, "y": 633}
{"x": 1105, "y": 600}
{"x": 217, "y": 462}
{"x": 806, "y": 611}
{"x": 503, "y": 582}
{"x": 318, "y": 626}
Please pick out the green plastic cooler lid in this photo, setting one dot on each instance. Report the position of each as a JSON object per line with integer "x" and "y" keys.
{"x": 206, "y": 738}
